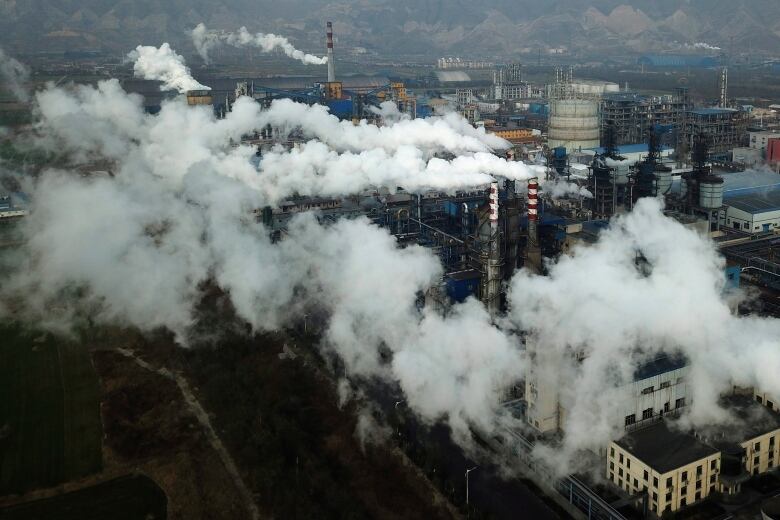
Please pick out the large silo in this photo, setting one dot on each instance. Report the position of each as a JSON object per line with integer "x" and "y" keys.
{"x": 574, "y": 124}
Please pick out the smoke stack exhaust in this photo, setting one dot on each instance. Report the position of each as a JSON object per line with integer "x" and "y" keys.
{"x": 331, "y": 64}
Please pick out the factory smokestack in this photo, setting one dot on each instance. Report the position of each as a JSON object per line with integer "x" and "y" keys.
{"x": 533, "y": 254}
{"x": 331, "y": 64}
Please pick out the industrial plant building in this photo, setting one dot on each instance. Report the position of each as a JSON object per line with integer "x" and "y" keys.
{"x": 677, "y": 468}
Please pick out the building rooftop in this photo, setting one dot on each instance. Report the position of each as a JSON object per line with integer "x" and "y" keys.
{"x": 756, "y": 203}
{"x": 712, "y": 111}
{"x": 749, "y": 182}
{"x": 664, "y": 449}
{"x": 659, "y": 365}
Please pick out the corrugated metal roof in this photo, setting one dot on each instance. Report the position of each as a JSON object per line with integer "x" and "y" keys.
{"x": 749, "y": 183}
{"x": 755, "y": 204}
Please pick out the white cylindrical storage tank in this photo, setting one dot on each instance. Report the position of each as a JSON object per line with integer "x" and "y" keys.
{"x": 711, "y": 192}
{"x": 663, "y": 182}
{"x": 574, "y": 124}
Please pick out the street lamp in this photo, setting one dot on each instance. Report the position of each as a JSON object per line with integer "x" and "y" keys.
{"x": 467, "y": 482}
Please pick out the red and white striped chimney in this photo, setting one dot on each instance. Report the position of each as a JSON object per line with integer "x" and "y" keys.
{"x": 493, "y": 203}
{"x": 331, "y": 64}
{"x": 533, "y": 201}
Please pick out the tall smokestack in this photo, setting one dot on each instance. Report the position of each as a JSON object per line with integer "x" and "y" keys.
{"x": 493, "y": 268}
{"x": 533, "y": 253}
{"x": 331, "y": 64}
{"x": 533, "y": 207}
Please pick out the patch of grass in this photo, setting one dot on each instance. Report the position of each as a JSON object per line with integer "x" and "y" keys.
{"x": 133, "y": 497}
{"x": 50, "y": 429}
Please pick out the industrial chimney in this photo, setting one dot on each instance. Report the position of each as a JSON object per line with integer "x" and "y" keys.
{"x": 331, "y": 63}
{"x": 533, "y": 253}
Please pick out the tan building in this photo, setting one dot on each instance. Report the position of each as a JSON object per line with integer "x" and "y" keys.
{"x": 675, "y": 469}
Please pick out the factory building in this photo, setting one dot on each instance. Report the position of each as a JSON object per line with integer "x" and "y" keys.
{"x": 630, "y": 114}
{"x": 508, "y": 83}
{"x": 675, "y": 469}
{"x": 753, "y": 213}
{"x": 723, "y": 128}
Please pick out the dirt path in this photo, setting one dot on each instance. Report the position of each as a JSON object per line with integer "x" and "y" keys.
{"x": 203, "y": 418}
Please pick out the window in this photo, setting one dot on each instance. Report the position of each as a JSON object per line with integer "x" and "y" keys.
{"x": 655, "y": 497}
{"x": 611, "y": 476}
{"x": 770, "y": 404}
{"x": 666, "y": 384}
{"x": 628, "y": 462}
{"x": 684, "y": 476}
{"x": 630, "y": 419}
{"x": 683, "y": 502}
{"x": 698, "y": 495}
{"x": 620, "y": 472}
{"x": 698, "y": 484}
{"x": 648, "y": 390}
{"x": 669, "y": 482}
{"x": 712, "y": 488}
{"x": 655, "y": 482}
{"x": 611, "y": 465}
{"x": 620, "y": 482}
{"x": 758, "y": 398}
{"x": 636, "y": 483}
{"x": 757, "y": 446}
{"x": 699, "y": 470}
{"x": 621, "y": 458}
{"x": 679, "y": 403}
{"x": 713, "y": 464}
{"x": 666, "y": 407}
{"x": 612, "y": 452}
{"x": 755, "y": 460}
{"x": 647, "y": 414}
{"x": 771, "y": 441}
{"x": 684, "y": 490}
{"x": 646, "y": 475}
{"x": 712, "y": 479}
{"x": 668, "y": 498}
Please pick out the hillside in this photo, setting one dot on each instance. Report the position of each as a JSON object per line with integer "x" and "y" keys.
{"x": 402, "y": 26}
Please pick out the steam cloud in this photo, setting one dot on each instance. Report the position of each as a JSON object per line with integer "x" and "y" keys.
{"x": 178, "y": 212}
{"x": 165, "y": 65}
{"x": 14, "y": 74}
{"x": 206, "y": 40}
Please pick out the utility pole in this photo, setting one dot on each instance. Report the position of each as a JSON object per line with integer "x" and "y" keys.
{"x": 467, "y": 483}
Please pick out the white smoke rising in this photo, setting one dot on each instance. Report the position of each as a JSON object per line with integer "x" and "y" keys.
{"x": 134, "y": 249}
{"x": 703, "y": 46}
{"x": 619, "y": 317}
{"x": 206, "y": 40}
{"x": 389, "y": 112}
{"x": 559, "y": 189}
{"x": 14, "y": 74}
{"x": 450, "y": 133}
{"x": 165, "y": 65}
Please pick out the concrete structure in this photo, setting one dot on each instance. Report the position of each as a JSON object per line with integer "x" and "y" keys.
{"x": 574, "y": 124}
{"x": 758, "y": 140}
{"x": 659, "y": 388}
{"x": 674, "y": 468}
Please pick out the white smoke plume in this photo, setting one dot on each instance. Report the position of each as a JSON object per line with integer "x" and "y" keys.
{"x": 559, "y": 189}
{"x": 703, "y": 46}
{"x": 617, "y": 316}
{"x": 205, "y": 40}
{"x": 165, "y": 65}
{"x": 14, "y": 74}
{"x": 135, "y": 248}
